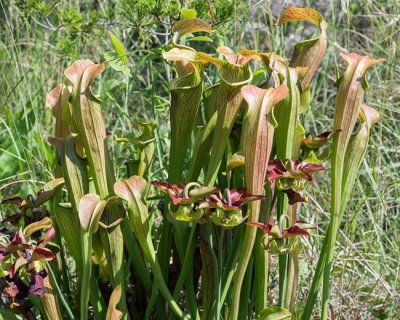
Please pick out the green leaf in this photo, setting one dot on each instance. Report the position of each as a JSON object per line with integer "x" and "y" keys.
{"x": 274, "y": 313}
{"x": 186, "y": 92}
{"x": 115, "y": 62}
{"x": 286, "y": 113}
{"x": 201, "y": 38}
{"x": 8, "y": 315}
{"x": 355, "y": 152}
{"x": 119, "y": 47}
{"x": 188, "y": 13}
{"x": 229, "y": 100}
{"x": 90, "y": 123}
{"x": 68, "y": 221}
{"x": 75, "y": 171}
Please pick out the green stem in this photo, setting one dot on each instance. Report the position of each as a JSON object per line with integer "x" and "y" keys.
{"x": 246, "y": 291}
{"x": 261, "y": 276}
{"x": 282, "y": 205}
{"x": 231, "y": 264}
{"x": 183, "y": 275}
{"x": 216, "y": 269}
{"x": 99, "y": 307}
{"x": 87, "y": 269}
{"x": 152, "y": 301}
{"x": 220, "y": 264}
{"x": 191, "y": 296}
{"x": 316, "y": 283}
{"x": 59, "y": 293}
{"x": 292, "y": 267}
{"x": 325, "y": 260}
{"x": 244, "y": 258}
{"x": 137, "y": 263}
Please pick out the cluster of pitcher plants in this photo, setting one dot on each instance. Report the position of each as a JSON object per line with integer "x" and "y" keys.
{"x": 198, "y": 242}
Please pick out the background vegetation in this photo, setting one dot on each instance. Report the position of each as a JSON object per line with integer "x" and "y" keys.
{"x": 38, "y": 39}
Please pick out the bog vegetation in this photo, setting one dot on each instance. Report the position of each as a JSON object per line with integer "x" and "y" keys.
{"x": 200, "y": 217}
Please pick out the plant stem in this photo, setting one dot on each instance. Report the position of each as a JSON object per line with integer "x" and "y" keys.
{"x": 87, "y": 269}
{"x": 59, "y": 293}
{"x": 282, "y": 206}
{"x": 184, "y": 273}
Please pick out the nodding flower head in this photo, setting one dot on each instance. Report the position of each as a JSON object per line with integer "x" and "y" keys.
{"x": 20, "y": 252}
{"x": 231, "y": 200}
{"x": 274, "y": 233}
{"x": 291, "y": 177}
{"x": 187, "y": 196}
{"x": 226, "y": 210}
{"x": 23, "y": 261}
{"x": 183, "y": 193}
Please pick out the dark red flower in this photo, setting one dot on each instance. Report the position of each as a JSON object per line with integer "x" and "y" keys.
{"x": 25, "y": 252}
{"x": 184, "y": 194}
{"x": 13, "y": 200}
{"x": 298, "y": 229}
{"x": 232, "y": 200}
{"x": 291, "y": 177}
{"x": 266, "y": 227}
{"x": 318, "y": 141}
{"x": 292, "y": 169}
{"x": 174, "y": 191}
{"x": 294, "y": 196}
{"x": 30, "y": 209}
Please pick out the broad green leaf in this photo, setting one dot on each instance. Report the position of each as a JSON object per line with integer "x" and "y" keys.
{"x": 274, "y": 313}
{"x": 115, "y": 62}
{"x": 119, "y": 47}
{"x": 188, "y": 13}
